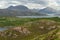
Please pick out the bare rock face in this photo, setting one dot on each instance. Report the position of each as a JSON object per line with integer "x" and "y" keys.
{"x": 22, "y": 30}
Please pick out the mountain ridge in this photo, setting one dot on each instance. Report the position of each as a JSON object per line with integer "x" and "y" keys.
{"x": 21, "y": 10}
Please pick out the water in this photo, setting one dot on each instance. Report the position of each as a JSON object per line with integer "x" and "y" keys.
{"x": 2, "y": 29}
{"x": 35, "y": 16}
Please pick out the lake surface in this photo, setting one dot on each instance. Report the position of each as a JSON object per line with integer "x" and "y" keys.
{"x": 2, "y": 29}
{"x": 36, "y": 16}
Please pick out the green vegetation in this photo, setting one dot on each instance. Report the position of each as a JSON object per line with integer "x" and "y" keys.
{"x": 14, "y": 21}
{"x": 30, "y": 28}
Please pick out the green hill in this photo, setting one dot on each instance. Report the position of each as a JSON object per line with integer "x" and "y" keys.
{"x": 32, "y": 29}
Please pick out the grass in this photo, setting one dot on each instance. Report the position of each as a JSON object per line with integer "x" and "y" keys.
{"x": 14, "y": 21}
{"x": 9, "y": 21}
{"x": 33, "y": 25}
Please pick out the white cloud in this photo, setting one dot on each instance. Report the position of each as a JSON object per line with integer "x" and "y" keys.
{"x": 14, "y": 3}
{"x": 3, "y": 4}
{"x": 54, "y": 4}
{"x": 31, "y": 3}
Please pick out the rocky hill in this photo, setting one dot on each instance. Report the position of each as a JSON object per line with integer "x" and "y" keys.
{"x": 36, "y": 30}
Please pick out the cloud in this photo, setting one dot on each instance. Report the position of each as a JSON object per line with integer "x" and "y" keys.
{"x": 3, "y": 4}
{"x": 33, "y": 5}
{"x": 30, "y": 3}
{"x": 14, "y": 3}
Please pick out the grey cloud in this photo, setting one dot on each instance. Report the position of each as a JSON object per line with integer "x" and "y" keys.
{"x": 25, "y": 2}
{"x": 42, "y": 2}
{"x": 58, "y": 1}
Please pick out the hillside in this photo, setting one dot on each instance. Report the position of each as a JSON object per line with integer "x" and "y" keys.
{"x": 34, "y": 29}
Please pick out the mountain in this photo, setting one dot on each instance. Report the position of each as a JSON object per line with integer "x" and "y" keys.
{"x": 48, "y": 10}
{"x": 19, "y": 8}
{"x": 35, "y": 10}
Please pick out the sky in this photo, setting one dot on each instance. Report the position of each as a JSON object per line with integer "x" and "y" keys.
{"x": 37, "y": 4}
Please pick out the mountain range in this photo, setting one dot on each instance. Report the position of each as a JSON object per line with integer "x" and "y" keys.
{"x": 21, "y": 10}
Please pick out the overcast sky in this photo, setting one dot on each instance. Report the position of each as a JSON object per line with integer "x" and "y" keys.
{"x": 31, "y": 3}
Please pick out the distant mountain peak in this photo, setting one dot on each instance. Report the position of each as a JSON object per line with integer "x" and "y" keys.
{"x": 19, "y": 7}
{"x": 11, "y": 6}
{"x": 48, "y": 10}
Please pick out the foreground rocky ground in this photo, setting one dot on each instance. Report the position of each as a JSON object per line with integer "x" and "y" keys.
{"x": 36, "y": 30}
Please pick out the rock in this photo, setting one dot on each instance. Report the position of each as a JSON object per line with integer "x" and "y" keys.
{"x": 15, "y": 36}
{"x": 25, "y": 31}
{"x": 41, "y": 27}
{"x": 22, "y": 30}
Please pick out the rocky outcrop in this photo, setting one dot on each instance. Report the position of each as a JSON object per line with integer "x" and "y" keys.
{"x": 22, "y": 30}
{"x": 47, "y": 24}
